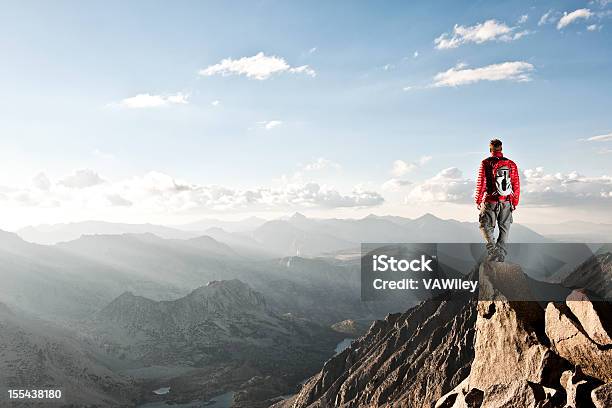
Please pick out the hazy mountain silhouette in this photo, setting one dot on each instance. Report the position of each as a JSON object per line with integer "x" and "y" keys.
{"x": 54, "y": 233}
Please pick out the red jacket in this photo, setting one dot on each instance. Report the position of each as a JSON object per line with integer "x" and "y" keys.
{"x": 485, "y": 185}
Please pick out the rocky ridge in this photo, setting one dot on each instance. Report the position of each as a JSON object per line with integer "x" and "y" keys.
{"x": 468, "y": 352}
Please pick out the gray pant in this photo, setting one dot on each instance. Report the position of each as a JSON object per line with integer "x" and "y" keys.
{"x": 491, "y": 213}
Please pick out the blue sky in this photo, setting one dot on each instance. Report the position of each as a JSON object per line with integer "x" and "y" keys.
{"x": 108, "y": 102}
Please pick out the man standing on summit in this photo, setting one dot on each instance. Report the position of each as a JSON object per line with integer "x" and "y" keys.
{"x": 497, "y": 194}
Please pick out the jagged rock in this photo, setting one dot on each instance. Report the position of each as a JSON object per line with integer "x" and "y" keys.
{"x": 350, "y": 327}
{"x": 571, "y": 342}
{"x": 461, "y": 397}
{"x": 408, "y": 360}
{"x": 602, "y": 396}
{"x": 518, "y": 394}
{"x": 594, "y": 317}
{"x": 595, "y": 274}
{"x": 510, "y": 344}
{"x": 431, "y": 356}
{"x": 577, "y": 388}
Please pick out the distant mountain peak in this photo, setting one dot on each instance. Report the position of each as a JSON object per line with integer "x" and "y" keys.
{"x": 5, "y": 309}
{"x": 221, "y": 298}
{"x": 6, "y": 236}
{"x": 429, "y": 217}
{"x": 298, "y": 217}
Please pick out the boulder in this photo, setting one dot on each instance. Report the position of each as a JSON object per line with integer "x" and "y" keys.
{"x": 594, "y": 317}
{"x": 570, "y": 341}
{"x": 519, "y": 394}
{"x": 510, "y": 343}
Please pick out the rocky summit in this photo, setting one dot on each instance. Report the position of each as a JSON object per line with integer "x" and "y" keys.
{"x": 484, "y": 351}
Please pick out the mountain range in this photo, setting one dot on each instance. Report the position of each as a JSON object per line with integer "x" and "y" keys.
{"x": 295, "y": 235}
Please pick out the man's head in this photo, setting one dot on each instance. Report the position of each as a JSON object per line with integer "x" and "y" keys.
{"x": 495, "y": 145}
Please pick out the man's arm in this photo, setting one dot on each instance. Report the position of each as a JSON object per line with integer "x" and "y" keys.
{"x": 516, "y": 183}
{"x": 481, "y": 184}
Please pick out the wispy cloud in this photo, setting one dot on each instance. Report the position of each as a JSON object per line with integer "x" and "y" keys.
{"x": 401, "y": 167}
{"x": 146, "y": 100}
{"x": 517, "y": 71}
{"x": 599, "y": 138}
{"x": 320, "y": 164}
{"x": 490, "y": 30}
{"x": 82, "y": 178}
{"x": 259, "y": 66}
{"x": 270, "y": 124}
{"x": 547, "y": 18}
{"x": 569, "y": 18}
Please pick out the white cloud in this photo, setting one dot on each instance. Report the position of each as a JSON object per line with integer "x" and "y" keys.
{"x": 594, "y": 27}
{"x": 416, "y": 54}
{"x": 517, "y": 71}
{"x": 490, "y": 30}
{"x": 259, "y": 66}
{"x": 270, "y": 124}
{"x": 401, "y": 167}
{"x": 160, "y": 193}
{"x": 407, "y": 88}
{"x": 559, "y": 189}
{"x": 41, "y": 181}
{"x": 600, "y": 138}
{"x": 523, "y": 19}
{"x": 448, "y": 185}
{"x": 118, "y": 201}
{"x": 312, "y": 50}
{"x": 569, "y": 18}
{"x": 538, "y": 188}
{"x": 215, "y": 103}
{"x": 81, "y": 179}
{"x": 547, "y": 18}
{"x": 395, "y": 184}
{"x": 153, "y": 101}
{"x": 321, "y": 164}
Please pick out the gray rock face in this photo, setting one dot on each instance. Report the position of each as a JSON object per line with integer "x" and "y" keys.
{"x": 406, "y": 359}
{"x": 595, "y": 275}
{"x": 488, "y": 354}
{"x": 37, "y": 355}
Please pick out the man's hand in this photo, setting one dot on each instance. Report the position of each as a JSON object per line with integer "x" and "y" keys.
{"x": 512, "y": 207}
{"x": 479, "y": 206}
